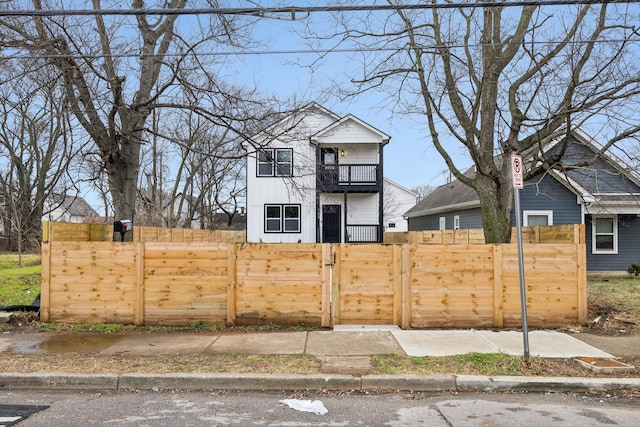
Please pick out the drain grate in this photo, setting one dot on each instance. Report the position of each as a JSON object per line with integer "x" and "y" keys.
{"x": 12, "y": 414}
{"x": 602, "y": 365}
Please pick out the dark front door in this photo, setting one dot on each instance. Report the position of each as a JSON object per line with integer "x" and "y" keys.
{"x": 331, "y": 224}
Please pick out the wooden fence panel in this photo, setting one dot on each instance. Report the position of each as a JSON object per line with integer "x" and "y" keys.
{"x": 564, "y": 233}
{"x": 451, "y": 286}
{"x": 552, "y": 284}
{"x": 185, "y": 283}
{"x": 92, "y": 282}
{"x": 419, "y": 286}
{"x": 366, "y": 285}
{"x": 279, "y": 283}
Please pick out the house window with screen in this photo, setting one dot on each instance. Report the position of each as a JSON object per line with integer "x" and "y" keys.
{"x": 530, "y": 218}
{"x": 275, "y": 162}
{"x": 282, "y": 218}
{"x": 456, "y": 222}
{"x": 604, "y": 235}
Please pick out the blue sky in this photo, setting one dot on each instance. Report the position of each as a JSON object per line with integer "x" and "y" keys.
{"x": 410, "y": 160}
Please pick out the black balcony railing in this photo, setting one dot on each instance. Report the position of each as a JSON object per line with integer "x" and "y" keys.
{"x": 333, "y": 177}
{"x": 363, "y": 234}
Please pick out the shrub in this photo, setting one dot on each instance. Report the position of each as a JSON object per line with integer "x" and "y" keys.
{"x": 634, "y": 270}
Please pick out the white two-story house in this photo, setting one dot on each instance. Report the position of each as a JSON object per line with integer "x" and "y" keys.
{"x": 316, "y": 177}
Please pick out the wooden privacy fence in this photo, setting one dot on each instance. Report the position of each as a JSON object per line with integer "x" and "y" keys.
{"x": 74, "y": 232}
{"x": 564, "y": 233}
{"x": 414, "y": 286}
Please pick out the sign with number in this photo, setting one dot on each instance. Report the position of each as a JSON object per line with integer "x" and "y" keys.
{"x": 516, "y": 171}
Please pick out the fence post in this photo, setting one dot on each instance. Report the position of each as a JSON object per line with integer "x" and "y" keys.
{"x": 581, "y": 250}
{"x": 397, "y": 284}
{"x": 498, "y": 288}
{"x": 231, "y": 283}
{"x": 406, "y": 286}
{"x": 139, "y": 313}
{"x": 327, "y": 269}
{"x": 45, "y": 281}
{"x": 335, "y": 288}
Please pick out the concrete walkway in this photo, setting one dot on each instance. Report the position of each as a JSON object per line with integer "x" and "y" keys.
{"x": 344, "y": 352}
{"x": 341, "y": 341}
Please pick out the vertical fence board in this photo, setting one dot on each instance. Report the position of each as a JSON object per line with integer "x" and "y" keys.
{"x": 45, "y": 281}
{"x": 406, "y": 286}
{"x": 139, "y": 313}
{"x": 498, "y": 294}
{"x": 231, "y": 285}
{"x": 327, "y": 270}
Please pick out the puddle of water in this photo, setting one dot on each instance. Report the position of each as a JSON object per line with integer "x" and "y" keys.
{"x": 77, "y": 343}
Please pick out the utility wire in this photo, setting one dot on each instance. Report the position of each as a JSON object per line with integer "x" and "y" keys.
{"x": 289, "y": 52}
{"x": 272, "y": 12}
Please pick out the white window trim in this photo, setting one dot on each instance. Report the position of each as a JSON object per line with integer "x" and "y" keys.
{"x": 442, "y": 223}
{"x": 525, "y": 216}
{"x": 456, "y": 222}
{"x": 594, "y": 250}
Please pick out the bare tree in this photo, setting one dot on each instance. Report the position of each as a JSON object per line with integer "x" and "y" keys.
{"x": 36, "y": 150}
{"x": 423, "y": 190}
{"x": 495, "y": 81}
{"x": 115, "y": 72}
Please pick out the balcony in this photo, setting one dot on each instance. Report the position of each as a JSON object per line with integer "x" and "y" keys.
{"x": 364, "y": 178}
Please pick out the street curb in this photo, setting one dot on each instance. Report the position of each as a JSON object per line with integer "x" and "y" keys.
{"x": 256, "y": 382}
{"x": 57, "y": 381}
{"x": 409, "y": 382}
{"x": 237, "y": 382}
{"x": 516, "y": 383}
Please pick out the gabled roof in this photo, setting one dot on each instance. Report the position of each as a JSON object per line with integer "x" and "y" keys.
{"x": 290, "y": 120}
{"x": 73, "y": 205}
{"x": 345, "y": 121}
{"x": 387, "y": 181}
{"x": 450, "y": 196}
{"x": 609, "y": 181}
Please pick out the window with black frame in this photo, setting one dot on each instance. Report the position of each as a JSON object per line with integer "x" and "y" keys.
{"x": 282, "y": 218}
{"x": 275, "y": 162}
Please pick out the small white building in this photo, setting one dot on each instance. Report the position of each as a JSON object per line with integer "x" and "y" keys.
{"x": 397, "y": 200}
{"x": 67, "y": 208}
{"x": 316, "y": 177}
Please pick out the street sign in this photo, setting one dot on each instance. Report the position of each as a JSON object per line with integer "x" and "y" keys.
{"x": 516, "y": 171}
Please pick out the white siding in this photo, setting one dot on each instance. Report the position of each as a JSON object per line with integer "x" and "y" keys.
{"x": 397, "y": 201}
{"x": 362, "y": 209}
{"x": 358, "y": 154}
{"x": 296, "y": 190}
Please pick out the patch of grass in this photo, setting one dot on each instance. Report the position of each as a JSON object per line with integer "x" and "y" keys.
{"x": 614, "y": 294}
{"x": 19, "y": 286}
{"x": 100, "y": 327}
{"x": 262, "y": 328}
{"x": 160, "y": 363}
{"x": 492, "y": 364}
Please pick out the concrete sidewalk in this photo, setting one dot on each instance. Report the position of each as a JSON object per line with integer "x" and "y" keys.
{"x": 341, "y": 341}
{"x": 344, "y": 353}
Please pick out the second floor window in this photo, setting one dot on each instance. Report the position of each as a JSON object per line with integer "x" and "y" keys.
{"x": 275, "y": 162}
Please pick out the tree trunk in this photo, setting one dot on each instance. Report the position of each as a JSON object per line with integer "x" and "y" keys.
{"x": 496, "y": 204}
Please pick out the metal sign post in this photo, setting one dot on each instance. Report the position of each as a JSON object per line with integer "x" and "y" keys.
{"x": 516, "y": 175}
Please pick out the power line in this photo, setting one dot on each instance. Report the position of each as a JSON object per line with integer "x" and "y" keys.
{"x": 293, "y": 51}
{"x": 272, "y": 12}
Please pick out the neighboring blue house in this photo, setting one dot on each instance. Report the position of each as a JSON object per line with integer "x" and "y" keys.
{"x": 604, "y": 196}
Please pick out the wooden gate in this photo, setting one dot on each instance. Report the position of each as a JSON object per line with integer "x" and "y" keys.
{"x": 366, "y": 285}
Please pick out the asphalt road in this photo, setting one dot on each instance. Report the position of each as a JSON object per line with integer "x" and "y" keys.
{"x": 344, "y": 409}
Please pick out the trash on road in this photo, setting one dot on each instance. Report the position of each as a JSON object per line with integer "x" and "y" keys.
{"x": 316, "y": 406}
